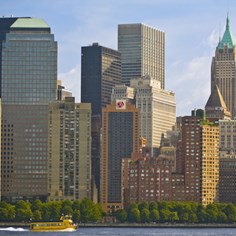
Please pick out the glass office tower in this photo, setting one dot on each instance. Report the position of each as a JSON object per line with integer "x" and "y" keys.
{"x": 100, "y": 71}
{"x": 28, "y": 62}
{"x": 142, "y": 51}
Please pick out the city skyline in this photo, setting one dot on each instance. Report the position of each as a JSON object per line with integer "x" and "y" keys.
{"x": 192, "y": 32}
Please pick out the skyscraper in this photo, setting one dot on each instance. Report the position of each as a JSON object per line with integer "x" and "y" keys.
{"x": 200, "y": 158}
{"x": 28, "y": 64}
{"x": 223, "y": 69}
{"x": 120, "y": 138}
{"x": 69, "y": 150}
{"x": 157, "y": 107}
{"x": 142, "y": 51}
{"x": 100, "y": 71}
{"x": 227, "y": 160}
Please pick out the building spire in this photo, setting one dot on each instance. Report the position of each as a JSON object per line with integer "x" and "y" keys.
{"x": 227, "y": 39}
{"x": 227, "y": 21}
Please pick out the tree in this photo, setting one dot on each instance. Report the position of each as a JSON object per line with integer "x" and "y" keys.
{"x": 152, "y": 206}
{"x": 145, "y": 215}
{"x": 132, "y": 205}
{"x": 76, "y": 205}
{"x": 134, "y": 215}
{"x": 11, "y": 212}
{"x": 24, "y": 215}
{"x": 212, "y": 212}
{"x": 143, "y": 205}
{"x": 193, "y": 218}
{"x": 76, "y": 215}
{"x": 37, "y": 205}
{"x": 89, "y": 211}
{"x": 66, "y": 203}
{"x": 22, "y": 205}
{"x": 201, "y": 214}
{"x": 7, "y": 212}
{"x": 222, "y": 218}
{"x": 3, "y": 214}
{"x": 66, "y": 210}
{"x": 154, "y": 215}
{"x": 165, "y": 215}
{"x": 173, "y": 216}
{"x": 183, "y": 212}
{"x": 37, "y": 215}
{"x": 230, "y": 211}
{"x": 121, "y": 215}
{"x": 23, "y": 211}
{"x": 52, "y": 210}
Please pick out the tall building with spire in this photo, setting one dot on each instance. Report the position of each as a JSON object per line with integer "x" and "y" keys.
{"x": 223, "y": 69}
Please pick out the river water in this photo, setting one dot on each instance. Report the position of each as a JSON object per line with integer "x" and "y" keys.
{"x": 126, "y": 232}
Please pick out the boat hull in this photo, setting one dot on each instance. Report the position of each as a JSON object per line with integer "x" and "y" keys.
{"x": 66, "y": 224}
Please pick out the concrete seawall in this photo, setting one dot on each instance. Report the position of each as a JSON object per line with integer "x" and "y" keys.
{"x": 127, "y": 225}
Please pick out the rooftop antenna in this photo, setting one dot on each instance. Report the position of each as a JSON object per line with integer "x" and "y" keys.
{"x": 228, "y": 9}
{"x": 219, "y": 31}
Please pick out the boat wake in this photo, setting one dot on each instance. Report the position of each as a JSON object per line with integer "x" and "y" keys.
{"x": 13, "y": 229}
{"x": 67, "y": 230}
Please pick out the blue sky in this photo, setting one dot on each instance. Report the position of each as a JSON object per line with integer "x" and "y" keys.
{"x": 192, "y": 29}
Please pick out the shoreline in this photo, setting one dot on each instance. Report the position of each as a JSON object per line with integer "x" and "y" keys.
{"x": 128, "y": 225}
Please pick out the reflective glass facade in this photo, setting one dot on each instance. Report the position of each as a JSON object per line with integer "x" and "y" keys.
{"x": 100, "y": 71}
{"x": 28, "y": 68}
{"x": 28, "y": 83}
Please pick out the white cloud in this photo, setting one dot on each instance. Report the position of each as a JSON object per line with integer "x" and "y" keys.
{"x": 71, "y": 81}
{"x": 213, "y": 39}
{"x": 191, "y": 83}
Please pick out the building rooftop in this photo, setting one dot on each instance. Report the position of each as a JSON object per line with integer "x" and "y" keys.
{"x": 29, "y": 23}
{"x": 216, "y": 99}
{"x": 227, "y": 37}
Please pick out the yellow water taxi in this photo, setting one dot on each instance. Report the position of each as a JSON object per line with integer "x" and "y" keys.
{"x": 65, "y": 224}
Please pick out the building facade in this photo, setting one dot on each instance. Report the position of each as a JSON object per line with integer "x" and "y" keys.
{"x": 210, "y": 164}
{"x": 100, "y": 71}
{"x": 28, "y": 63}
{"x": 120, "y": 138}
{"x": 223, "y": 69}
{"x": 227, "y": 160}
{"x": 150, "y": 179}
{"x": 142, "y": 51}
{"x": 69, "y": 162}
{"x": 216, "y": 108}
{"x": 200, "y": 160}
{"x": 191, "y": 157}
{"x": 157, "y": 108}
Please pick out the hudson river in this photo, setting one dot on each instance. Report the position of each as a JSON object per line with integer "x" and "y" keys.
{"x": 127, "y": 232}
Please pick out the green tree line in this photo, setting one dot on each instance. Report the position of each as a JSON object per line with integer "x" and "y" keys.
{"x": 86, "y": 211}
{"x": 80, "y": 210}
{"x": 177, "y": 212}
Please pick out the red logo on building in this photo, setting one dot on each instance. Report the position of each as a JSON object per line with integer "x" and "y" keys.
{"x": 120, "y": 104}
